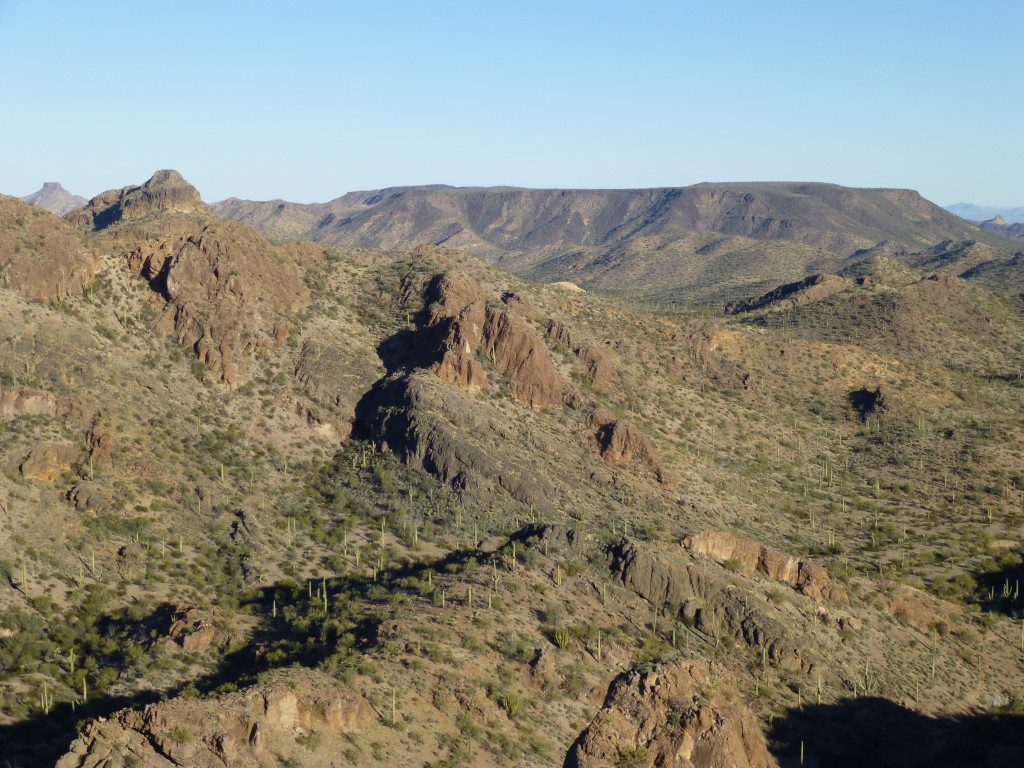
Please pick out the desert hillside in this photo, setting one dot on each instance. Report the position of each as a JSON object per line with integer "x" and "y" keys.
{"x": 373, "y": 500}
{"x": 703, "y": 242}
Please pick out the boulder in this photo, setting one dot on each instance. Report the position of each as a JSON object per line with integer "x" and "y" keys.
{"x": 46, "y": 462}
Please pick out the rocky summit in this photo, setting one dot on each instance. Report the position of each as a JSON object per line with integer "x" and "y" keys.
{"x": 55, "y": 199}
{"x": 751, "y": 496}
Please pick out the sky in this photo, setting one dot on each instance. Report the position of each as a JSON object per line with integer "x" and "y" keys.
{"x": 305, "y": 101}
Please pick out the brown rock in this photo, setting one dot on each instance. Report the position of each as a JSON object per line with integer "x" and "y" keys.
{"x": 224, "y": 284}
{"x": 620, "y": 442}
{"x": 457, "y": 314}
{"x": 165, "y": 191}
{"x": 709, "y": 602}
{"x": 40, "y": 256}
{"x": 24, "y": 401}
{"x": 224, "y": 732}
{"x": 596, "y": 360}
{"x": 542, "y": 668}
{"x": 193, "y": 629}
{"x": 805, "y": 574}
{"x": 89, "y": 497}
{"x": 48, "y": 461}
{"x": 682, "y": 715}
{"x": 522, "y": 359}
{"x": 798, "y": 294}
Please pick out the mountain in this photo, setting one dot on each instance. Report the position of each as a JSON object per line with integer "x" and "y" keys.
{"x": 973, "y": 212}
{"x": 1001, "y": 226}
{"x": 298, "y": 504}
{"x": 707, "y": 241}
{"x": 54, "y": 198}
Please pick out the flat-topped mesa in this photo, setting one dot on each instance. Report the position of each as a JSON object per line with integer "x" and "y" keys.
{"x": 808, "y": 576}
{"x": 165, "y": 191}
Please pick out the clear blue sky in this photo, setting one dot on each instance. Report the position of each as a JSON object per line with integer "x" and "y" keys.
{"x": 308, "y": 100}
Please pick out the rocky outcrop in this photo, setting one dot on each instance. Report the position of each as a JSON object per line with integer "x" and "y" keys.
{"x": 620, "y": 443}
{"x": 752, "y": 557}
{"x": 48, "y": 461}
{"x": 457, "y": 313}
{"x": 89, "y": 497}
{"x": 165, "y": 191}
{"x": 806, "y": 291}
{"x": 451, "y": 436}
{"x": 55, "y": 199}
{"x": 40, "y": 256}
{"x": 459, "y": 324}
{"x": 193, "y": 629}
{"x": 250, "y": 728}
{"x": 336, "y": 375}
{"x": 520, "y": 356}
{"x": 225, "y": 288}
{"x": 596, "y": 361}
{"x": 686, "y": 714}
{"x": 709, "y": 602}
{"x": 26, "y": 401}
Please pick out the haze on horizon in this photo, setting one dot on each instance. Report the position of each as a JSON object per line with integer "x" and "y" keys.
{"x": 308, "y": 101}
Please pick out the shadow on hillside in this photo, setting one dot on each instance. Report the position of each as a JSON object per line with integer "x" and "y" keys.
{"x": 40, "y": 740}
{"x": 300, "y": 634}
{"x": 882, "y": 734}
{"x": 1002, "y": 590}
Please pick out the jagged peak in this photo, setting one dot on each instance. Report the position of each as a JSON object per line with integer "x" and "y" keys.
{"x": 165, "y": 190}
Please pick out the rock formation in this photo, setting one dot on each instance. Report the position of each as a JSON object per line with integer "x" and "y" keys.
{"x": 48, "y": 461}
{"x": 26, "y": 401}
{"x": 798, "y": 294}
{"x": 709, "y": 602}
{"x": 806, "y": 575}
{"x": 686, "y": 714}
{"x": 164, "y": 192}
{"x": 596, "y": 361}
{"x": 463, "y": 324}
{"x": 620, "y": 443}
{"x": 457, "y": 313}
{"x": 255, "y": 728}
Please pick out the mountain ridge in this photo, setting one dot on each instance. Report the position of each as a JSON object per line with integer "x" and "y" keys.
{"x": 640, "y": 239}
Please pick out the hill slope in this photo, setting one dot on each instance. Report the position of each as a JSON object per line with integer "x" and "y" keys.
{"x": 301, "y": 505}
{"x": 707, "y": 240}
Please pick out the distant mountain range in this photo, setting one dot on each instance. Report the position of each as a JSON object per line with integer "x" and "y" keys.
{"x": 54, "y": 198}
{"x": 973, "y": 212}
{"x": 707, "y": 241}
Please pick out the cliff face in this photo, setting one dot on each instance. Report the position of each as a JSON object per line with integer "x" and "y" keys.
{"x": 685, "y": 714}
{"x": 165, "y": 191}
